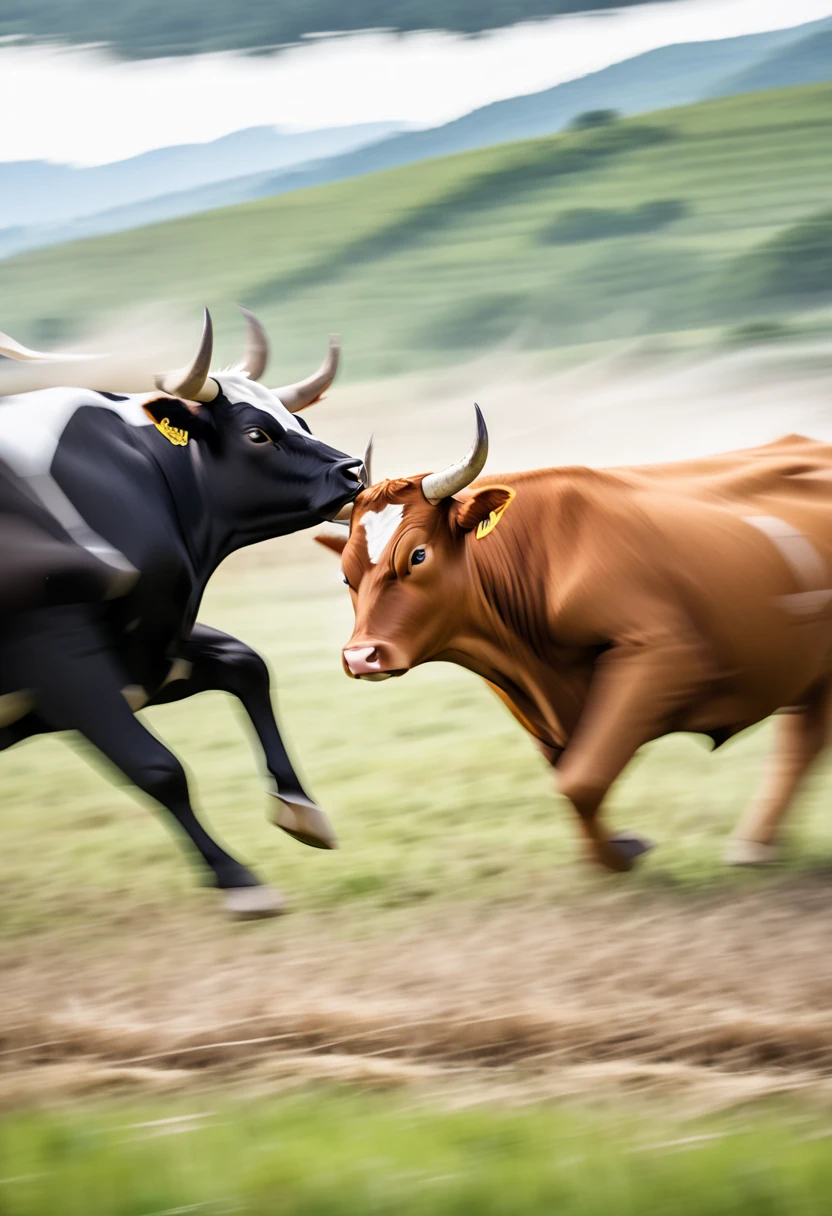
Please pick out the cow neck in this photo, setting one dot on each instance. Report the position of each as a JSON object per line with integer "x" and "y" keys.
{"x": 184, "y": 475}
{"x": 508, "y": 629}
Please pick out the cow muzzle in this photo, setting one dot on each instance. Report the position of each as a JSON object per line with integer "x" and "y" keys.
{"x": 371, "y": 663}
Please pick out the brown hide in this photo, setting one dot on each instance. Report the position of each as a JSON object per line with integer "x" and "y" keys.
{"x": 610, "y": 607}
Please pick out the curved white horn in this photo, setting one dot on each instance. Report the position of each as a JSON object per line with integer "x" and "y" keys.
{"x": 365, "y": 476}
{"x": 256, "y": 354}
{"x": 366, "y": 471}
{"x": 437, "y": 486}
{"x": 306, "y": 392}
{"x": 14, "y": 350}
{"x": 192, "y": 382}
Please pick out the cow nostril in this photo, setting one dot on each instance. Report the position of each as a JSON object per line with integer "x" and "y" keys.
{"x": 362, "y": 659}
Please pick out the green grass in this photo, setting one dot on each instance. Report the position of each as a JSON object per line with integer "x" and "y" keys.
{"x": 338, "y": 1154}
{"x": 418, "y": 264}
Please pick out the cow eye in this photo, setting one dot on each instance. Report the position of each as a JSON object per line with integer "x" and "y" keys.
{"x": 417, "y": 557}
{"x": 255, "y": 434}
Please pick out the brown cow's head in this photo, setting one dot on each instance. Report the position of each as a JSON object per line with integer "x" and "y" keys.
{"x": 407, "y": 564}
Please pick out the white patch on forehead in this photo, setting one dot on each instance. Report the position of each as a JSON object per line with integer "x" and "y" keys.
{"x": 381, "y": 527}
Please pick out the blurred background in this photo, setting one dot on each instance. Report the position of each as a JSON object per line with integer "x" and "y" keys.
{"x": 612, "y": 227}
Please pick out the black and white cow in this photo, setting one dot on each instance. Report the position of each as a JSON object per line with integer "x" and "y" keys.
{"x": 133, "y": 501}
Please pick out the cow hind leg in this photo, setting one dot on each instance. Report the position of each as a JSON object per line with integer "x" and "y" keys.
{"x": 800, "y": 736}
{"x": 78, "y": 684}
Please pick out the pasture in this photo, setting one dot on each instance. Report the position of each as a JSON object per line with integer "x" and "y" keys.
{"x": 591, "y": 1040}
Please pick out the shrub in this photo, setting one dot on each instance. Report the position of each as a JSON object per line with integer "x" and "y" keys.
{"x": 593, "y": 118}
{"x": 753, "y": 332}
{"x": 795, "y": 264}
{"x": 598, "y": 223}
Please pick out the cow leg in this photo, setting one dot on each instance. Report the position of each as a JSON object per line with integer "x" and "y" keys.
{"x": 635, "y": 691}
{"x": 218, "y": 662}
{"x": 800, "y": 737}
{"x": 77, "y": 683}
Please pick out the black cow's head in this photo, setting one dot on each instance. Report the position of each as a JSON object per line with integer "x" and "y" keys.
{"x": 265, "y": 472}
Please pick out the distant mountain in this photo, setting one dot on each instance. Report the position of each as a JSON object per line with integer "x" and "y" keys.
{"x": 137, "y": 215}
{"x": 808, "y": 61}
{"x": 37, "y": 192}
{"x": 670, "y": 76}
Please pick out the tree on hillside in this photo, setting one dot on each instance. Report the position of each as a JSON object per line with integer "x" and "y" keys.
{"x": 593, "y": 118}
{"x": 796, "y": 264}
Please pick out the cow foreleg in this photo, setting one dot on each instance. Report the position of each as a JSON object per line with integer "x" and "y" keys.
{"x": 635, "y": 691}
{"x": 77, "y": 682}
{"x": 217, "y": 662}
{"x": 799, "y": 738}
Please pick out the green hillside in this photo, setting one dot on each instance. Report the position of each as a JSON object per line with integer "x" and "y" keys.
{"x": 419, "y": 264}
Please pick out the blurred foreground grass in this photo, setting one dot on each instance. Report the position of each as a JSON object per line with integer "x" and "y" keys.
{"x": 436, "y": 793}
{"x": 334, "y": 1153}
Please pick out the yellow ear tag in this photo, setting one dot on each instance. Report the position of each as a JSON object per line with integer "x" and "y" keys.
{"x": 488, "y": 525}
{"x": 175, "y": 434}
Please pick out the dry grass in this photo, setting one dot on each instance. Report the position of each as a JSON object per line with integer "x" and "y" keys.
{"x": 647, "y": 992}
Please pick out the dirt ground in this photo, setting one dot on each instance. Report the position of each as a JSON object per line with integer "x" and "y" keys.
{"x": 726, "y": 999}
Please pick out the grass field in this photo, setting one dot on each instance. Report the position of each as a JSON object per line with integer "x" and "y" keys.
{"x": 339, "y": 1154}
{"x": 417, "y": 264}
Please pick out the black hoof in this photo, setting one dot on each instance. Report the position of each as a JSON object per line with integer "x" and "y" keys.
{"x": 630, "y": 845}
{"x": 230, "y": 877}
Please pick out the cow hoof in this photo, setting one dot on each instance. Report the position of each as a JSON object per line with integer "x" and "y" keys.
{"x": 252, "y": 903}
{"x": 304, "y": 820}
{"x": 751, "y": 853}
{"x": 630, "y": 846}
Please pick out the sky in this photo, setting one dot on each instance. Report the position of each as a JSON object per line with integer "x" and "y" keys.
{"x": 83, "y": 106}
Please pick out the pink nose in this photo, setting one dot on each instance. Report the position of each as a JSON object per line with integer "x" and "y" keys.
{"x": 362, "y": 661}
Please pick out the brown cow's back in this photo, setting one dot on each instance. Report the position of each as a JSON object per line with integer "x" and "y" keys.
{"x": 741, "y": 542}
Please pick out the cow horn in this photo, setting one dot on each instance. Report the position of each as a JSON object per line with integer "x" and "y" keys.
{"x": 306, "y": 392}
{"x": 191, "y": 382}
{"x": 366, "y": 469}
{"x": 365, "y": 476}
{"x": 256, "y": 354}
{"x": 456, "y": 477}
{"x": 14, "y": 350}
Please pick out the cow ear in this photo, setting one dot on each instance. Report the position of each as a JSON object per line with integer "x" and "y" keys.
{"x": 336, "y": 543}
{"x": 174, "y": 417}
{"x": 484, "y": 506}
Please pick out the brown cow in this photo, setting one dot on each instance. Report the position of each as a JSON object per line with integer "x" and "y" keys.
{"x": 611, "y": 607}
